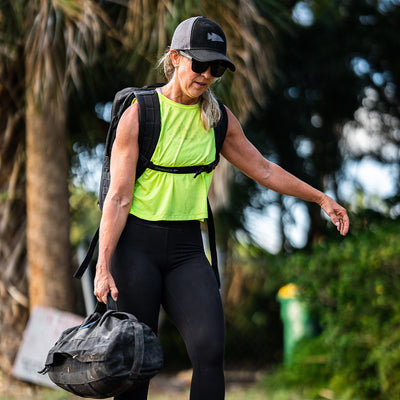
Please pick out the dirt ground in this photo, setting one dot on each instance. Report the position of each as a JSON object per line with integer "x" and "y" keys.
{"x": 173, "y": 385}
{"x": 165, "y": 385}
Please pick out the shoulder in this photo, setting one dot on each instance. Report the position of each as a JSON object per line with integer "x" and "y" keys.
{"x": 234, "y": 127}
{"x": 236, "y": 143}
{"x": 227, "y": 119}
{"x": 130, "y": 115}
{"x": 128, "y": 125}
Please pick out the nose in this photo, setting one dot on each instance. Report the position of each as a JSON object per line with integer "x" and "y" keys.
{"x": 207, "y": 73}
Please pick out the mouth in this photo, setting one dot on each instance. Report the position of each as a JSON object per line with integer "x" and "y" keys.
{"x": 201, "y": 84}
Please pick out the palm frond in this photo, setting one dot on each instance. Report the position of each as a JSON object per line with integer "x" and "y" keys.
{"x": 149, "y": 25}
{"x": 64, "y": 36}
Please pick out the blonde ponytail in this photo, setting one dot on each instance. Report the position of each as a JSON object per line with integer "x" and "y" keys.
{"x": 209, "y": 110}
{"x": 210, "y": 113}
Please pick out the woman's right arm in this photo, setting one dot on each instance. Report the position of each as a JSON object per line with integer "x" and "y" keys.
{"x": 117, "y": 204}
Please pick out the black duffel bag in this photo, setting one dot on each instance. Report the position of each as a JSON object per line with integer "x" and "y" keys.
{"x": 109, "y": 353}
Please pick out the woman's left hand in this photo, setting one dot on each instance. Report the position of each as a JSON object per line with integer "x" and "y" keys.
{"x": 337, "y": 214}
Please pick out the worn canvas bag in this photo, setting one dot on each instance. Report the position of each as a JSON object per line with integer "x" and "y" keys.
{"x": 109, "y": 353}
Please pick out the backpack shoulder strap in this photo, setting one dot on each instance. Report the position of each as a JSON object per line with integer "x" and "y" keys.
{"x": 89, "y": 255}
{"x": 221, "y": 128}
{"x": 220, "y": 133}
{"x": 149, "y": 127}
{"x": 212, "y": 243}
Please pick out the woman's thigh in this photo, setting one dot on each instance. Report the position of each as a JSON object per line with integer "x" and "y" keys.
{"x": 137, "y": 274}
{"x": 192, "y": 300}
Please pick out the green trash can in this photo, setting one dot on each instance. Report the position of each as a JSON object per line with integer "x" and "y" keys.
{"x": 297, "y": 323}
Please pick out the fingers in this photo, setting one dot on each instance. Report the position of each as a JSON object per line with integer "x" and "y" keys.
{"x": 346, "y": 225}
{"x": 338, "y": 215}
{"x": 342, "y": 222}
{"x": 103, "y": 287}
{"x": 114, "y": 293}
{"x": 343, "y": 225}
{"x": 101, "y": 295}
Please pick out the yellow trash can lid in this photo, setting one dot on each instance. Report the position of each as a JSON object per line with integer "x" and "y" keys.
{"x": 288, "y": 291}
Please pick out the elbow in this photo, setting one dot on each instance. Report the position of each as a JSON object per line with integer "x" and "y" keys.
{"x": 263, "y": 174}
{"x": 120, "y": 201}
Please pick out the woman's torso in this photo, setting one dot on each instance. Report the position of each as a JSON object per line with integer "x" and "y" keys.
{"x": 183, "y": 142}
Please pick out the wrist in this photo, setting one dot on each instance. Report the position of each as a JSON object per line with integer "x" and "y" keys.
{"x": 102, "y": 266}
{"x": 321, "y": 197}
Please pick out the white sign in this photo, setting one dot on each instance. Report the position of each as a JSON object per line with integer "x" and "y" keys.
{"x": 44, "y": 327}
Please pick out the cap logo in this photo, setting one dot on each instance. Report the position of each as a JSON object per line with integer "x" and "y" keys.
{"x": 214, "y": 37}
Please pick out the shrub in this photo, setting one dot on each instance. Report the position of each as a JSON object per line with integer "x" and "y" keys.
{"x": 353, "y": 287}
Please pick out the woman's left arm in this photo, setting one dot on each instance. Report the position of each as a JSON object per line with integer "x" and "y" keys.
{"x": 240, "y": 152}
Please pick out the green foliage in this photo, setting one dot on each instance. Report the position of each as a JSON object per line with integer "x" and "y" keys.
{"x": 85, "y": 215}
{"x": 353, "y": 286}
{"x": 253, "y": 329}
{"x": 253, "y": 326}
{"x": 305, "y": 379}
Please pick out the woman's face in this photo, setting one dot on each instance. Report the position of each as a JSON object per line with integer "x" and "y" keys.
{"x": 192, "y": 84}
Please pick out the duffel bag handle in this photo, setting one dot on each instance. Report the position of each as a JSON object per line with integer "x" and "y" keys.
{"x": 139, "y": 338}
{"x": 102, "y": 308}
{"x": 139, "y": 350}
{"x": 111, "y": 303}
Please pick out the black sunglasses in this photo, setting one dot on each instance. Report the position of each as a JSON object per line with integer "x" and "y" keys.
{"x": 217, "y": 68}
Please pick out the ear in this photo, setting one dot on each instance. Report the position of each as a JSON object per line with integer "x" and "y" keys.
{"x": 175, "y": 57}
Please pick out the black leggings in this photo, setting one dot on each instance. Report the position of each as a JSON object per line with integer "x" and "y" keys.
{"x": 163, "y": 263}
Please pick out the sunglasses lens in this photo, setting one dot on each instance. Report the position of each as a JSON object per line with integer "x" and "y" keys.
{"x": 217, "y": 69}
{"x": 199, "y": 67}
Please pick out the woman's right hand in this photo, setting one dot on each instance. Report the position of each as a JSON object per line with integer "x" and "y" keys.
{"x": 103, "y": 285}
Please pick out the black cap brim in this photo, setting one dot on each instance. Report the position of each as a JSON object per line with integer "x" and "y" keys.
{"x": 203, "y": 55}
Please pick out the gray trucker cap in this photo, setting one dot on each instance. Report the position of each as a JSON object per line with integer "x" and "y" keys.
{"x": 203, "y": 39}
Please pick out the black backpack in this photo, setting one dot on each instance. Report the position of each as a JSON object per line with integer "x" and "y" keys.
{"x": 149, "y": 132}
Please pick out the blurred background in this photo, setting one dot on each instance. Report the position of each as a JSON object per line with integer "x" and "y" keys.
{"x": 316, "y": 90}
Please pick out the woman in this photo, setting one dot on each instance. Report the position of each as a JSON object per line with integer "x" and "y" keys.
{"x": 150, "y": 250}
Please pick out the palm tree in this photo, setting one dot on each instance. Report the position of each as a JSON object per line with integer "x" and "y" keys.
{"x": 63, "y": 34}
{"x": 43, "y": 46}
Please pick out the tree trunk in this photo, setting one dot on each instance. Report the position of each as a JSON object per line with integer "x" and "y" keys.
{"x": 48, "y": 245}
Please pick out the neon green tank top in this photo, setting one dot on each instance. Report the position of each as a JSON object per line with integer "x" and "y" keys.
{"x": 183, "y": 142}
